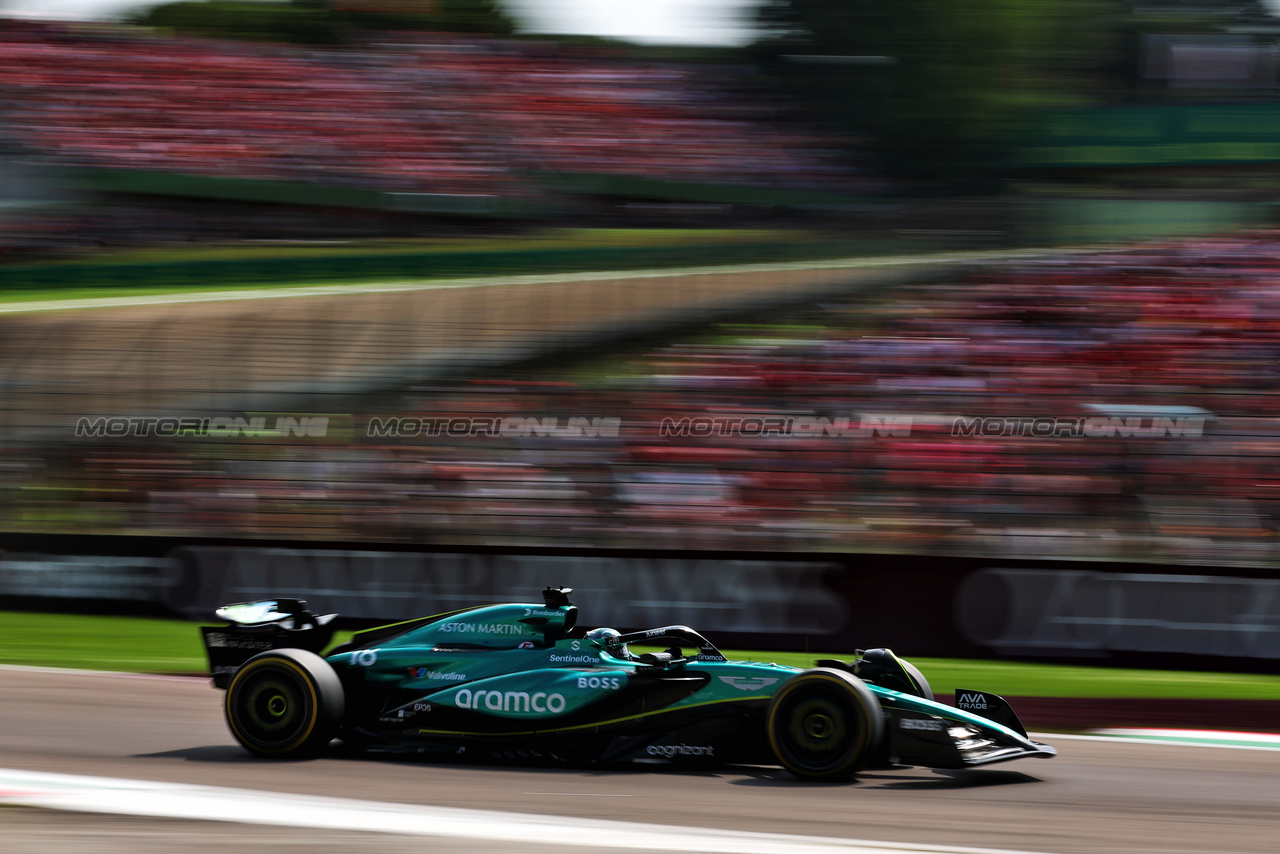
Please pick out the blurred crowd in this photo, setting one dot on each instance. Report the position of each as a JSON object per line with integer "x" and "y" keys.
{"x": 429, "y": 113}
{"x": 1186, "y": 332}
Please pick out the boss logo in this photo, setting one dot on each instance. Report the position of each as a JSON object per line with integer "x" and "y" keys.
{"x": 922, "y": 724}
{"x": 612, "y": 682}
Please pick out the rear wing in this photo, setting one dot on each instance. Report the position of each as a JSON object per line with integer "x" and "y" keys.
{"x": 254, "y": 627}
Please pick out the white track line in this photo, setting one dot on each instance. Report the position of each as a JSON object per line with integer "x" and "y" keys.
{"x": 177, "y": 801}
{"x": 288, "y": 292}
{"x": 1215, "y": 735}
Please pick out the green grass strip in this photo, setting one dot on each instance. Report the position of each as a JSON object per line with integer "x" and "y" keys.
{"x": 197, "y": 269}
{"x": 144, "y": 645}
{"x": 555, "y": 238}
{"x": 131, "y": 644}
{"x": 1019, "y": 679}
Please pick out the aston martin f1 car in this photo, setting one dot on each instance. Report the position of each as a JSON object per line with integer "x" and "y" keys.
{"x": 522, "y": 680}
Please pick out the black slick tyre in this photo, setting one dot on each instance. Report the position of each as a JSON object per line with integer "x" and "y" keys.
{"x": 284, "y": 704}
{"x": 921, "y": 682}
{"x": 824, "y": 725}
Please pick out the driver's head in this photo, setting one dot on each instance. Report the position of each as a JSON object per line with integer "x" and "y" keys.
{"x": 609, "y": 640}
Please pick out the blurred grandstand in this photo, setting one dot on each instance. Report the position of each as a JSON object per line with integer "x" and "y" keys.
{"x": 615, "y": 435}
{"x": 412, "y": 122}
{"x": 1119, "y": 337}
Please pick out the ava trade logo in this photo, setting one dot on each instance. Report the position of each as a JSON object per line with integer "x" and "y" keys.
{"x": 748, "y": 683}
{"x": 972, "y": 700}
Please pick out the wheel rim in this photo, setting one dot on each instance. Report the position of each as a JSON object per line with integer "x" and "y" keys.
{"x": 818, "y": 727}
{"x": 271, "y": 706}
{"x": 271, "y": 709}
{"x": 819, "y": 730}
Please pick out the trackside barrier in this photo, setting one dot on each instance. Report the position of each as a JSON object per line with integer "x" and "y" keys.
{"x": 965, "y": 607}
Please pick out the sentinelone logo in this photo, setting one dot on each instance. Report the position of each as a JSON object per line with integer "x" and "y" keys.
{"x": 119, "y": 427}
{"x": 1094, "y": 427}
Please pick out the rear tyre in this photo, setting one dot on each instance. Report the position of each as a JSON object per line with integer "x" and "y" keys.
{"x": 824, "y": 725}
{"x": 284, "y": 704}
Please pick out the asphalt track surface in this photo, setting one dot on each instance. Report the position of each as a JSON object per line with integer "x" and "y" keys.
{"x": 1094, "y": 797}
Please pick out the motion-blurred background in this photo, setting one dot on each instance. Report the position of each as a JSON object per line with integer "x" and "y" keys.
{"x": 989, "y": 281}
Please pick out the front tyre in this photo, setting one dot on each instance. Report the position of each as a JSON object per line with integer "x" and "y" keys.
{"x": 286, "y": 703}
{"x": 921, "y": 683}
{"x": 824, "y": 724}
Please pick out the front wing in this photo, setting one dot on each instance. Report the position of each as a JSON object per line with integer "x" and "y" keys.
{"x": 932, "y": 734}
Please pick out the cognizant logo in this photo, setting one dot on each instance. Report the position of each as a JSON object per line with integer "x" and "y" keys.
{"x": 509, "y": 701}
{"x": 670, "y": 750}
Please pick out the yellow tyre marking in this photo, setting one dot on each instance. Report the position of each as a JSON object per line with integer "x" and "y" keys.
{"x": 306, "y": 680}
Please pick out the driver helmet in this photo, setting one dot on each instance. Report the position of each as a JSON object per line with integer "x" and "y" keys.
{"x": 608, "y": 640}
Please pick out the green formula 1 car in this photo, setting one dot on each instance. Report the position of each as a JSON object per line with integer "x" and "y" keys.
{"x": 521, "y": 680}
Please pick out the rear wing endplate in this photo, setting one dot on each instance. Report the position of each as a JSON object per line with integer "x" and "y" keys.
{"x": 254, "y": 627}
